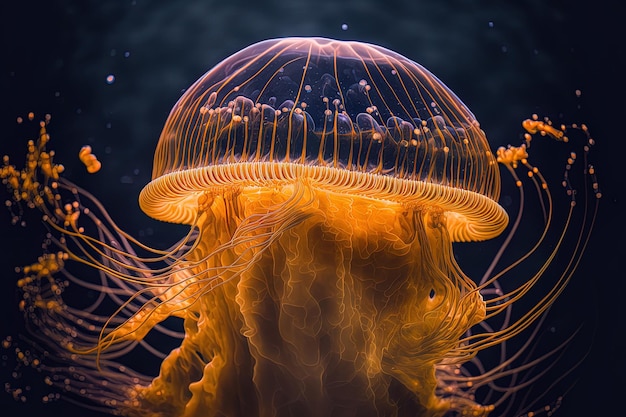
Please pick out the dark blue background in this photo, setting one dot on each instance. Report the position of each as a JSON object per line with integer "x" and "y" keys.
{"x": 504, "y": 61}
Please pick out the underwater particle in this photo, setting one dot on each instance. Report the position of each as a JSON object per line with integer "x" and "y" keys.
{"x": 89, "y": 159}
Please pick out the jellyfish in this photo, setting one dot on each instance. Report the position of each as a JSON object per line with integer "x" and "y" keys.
{"x": 324, "y": 183}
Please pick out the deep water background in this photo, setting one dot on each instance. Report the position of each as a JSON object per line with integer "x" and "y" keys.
{"x": 504, "y": 61}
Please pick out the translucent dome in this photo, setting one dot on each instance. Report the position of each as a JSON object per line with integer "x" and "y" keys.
{"x": 355, "y": 118}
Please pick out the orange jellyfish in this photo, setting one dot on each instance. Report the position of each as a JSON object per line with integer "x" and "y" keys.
{"x": 324, "y": 183}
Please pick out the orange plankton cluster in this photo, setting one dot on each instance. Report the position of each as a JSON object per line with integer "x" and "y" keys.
{"x": 89, "y": 159}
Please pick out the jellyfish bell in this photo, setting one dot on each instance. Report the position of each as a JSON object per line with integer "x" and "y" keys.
{"x": 324, "y": 183}
{"x": 329, "y": 111}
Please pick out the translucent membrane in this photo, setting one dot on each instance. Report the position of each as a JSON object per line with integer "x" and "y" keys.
{"x": 351, "y": 116}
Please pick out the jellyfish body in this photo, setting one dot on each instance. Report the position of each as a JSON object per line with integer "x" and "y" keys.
{"x": 342, "y": 181}
{"x": 324, "y": 183}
